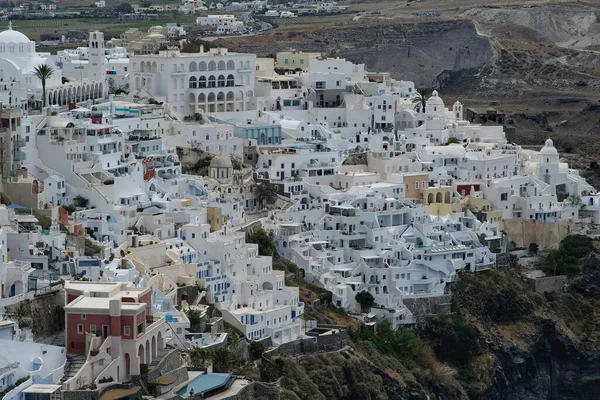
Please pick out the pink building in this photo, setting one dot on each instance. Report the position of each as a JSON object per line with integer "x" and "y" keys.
{"x": 112, "y": 326}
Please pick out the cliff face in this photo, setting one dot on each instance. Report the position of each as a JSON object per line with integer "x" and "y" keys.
{"x": 418, "y": 52}
{"x": 502, "y": 341}
{"x": 553, "y": 367}
{"x": 526, "y": 345}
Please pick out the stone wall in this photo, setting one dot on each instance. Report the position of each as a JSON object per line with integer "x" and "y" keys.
{"x": 323, "y": 343}
{"x": 549, "y": 284}
{"x": 44, "y": 314}
{"x": 256, "y": 390}
{"x": 423, "y": 306}
{"x": 170, "y": 365}
{"x": 191, "y": 292}
{"x": 92, "y": 394}
{"x": 547, "y": 235}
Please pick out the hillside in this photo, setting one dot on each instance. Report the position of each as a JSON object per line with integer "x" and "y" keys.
{"x": 502, "y": 341}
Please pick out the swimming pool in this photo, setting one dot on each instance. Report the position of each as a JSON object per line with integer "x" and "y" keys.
{"x": 207, "y": 384}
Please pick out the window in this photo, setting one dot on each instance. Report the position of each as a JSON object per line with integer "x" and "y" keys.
{"x": 416, "y": 184}
{"x": 79, "y": 329}
{"x": 93, "y": 328}
{"x": 83, "y": 316}
{"x": 504, "y": 196}
{"x": 126, "y": 330}
{"x": 320, "y": 85}
{"x": 286, "y": 61}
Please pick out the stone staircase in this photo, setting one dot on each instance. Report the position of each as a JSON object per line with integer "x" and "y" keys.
{"x": 59, "y": 339}
{"x": 159, "y": 357}
{"x": 168, "y": 362}
{"x": 74, "y": 364}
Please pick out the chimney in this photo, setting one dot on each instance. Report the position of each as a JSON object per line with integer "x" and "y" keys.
{"x": 123, "y": 263}
{"x": 201, "y": 49}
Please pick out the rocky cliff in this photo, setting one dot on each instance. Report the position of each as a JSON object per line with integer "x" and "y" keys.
{"x": 502, "y": 341}
{"x": 419, "y": 52}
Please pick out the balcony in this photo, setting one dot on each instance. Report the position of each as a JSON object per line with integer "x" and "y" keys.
{"x": 19, "y": 156}
{"x": 20, "y": 143}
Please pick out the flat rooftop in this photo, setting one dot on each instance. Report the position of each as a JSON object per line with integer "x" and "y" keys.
{"x": 102, "y": 303}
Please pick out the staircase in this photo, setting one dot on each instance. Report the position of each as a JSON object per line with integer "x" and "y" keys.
{"x": 159, "y": 357}
{"x": 59, "y": 339}
{"x": 74, "y": 364}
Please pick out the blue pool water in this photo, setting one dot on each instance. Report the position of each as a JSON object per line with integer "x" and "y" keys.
{"x": 206, "y": 383}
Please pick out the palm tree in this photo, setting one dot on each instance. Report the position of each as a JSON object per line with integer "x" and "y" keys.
{"x": 221, "y": 359}
{"x": 420, "y": 99}
{"x": 43, "y": 72}
{"x": 199, "y": 357}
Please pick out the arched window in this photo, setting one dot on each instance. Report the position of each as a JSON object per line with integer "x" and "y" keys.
{"x": 212, "y": 66}
{"x": 202, "y": 66}
{"x": 230, "y": 65}
{"x": 193, "y": 83}
{"x": 221, "y": 66}
{"x": 230, "y": 80}
{"x": 221, "y": 81}
{"x": 211, "y": 81}
{"x": 193, "y": 66}
{"x": 202, "y": 82}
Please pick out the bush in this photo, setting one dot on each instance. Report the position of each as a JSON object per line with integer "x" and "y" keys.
{"x": 70, "y": 209}
{"x": 452, "y": 338}
{"x": 106, "y": 379}
{"x": 265, "y": 241}
{"x": 80, "y": 201}
{"x": 255, "y": 350}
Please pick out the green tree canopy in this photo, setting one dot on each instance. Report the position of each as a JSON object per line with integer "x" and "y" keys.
{"x": 365, "y": 299}
{"x": 265, "y": 241}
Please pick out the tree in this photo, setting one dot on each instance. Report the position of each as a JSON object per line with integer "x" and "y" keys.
{"x": 264, "y": 240}
{"x": 195, "y": 319}
{"x": 574, "y": 200}
{"x": 111, "y": 86}
{"x": 420, "y": 99}
{"x": 198, "y": 357}
{"x": 43, "y": 72}
{"x": 124, "y": 8}
{"x": 265, "y": 193}
{"x": 255, "y": 350}
{"x": 221, "y": 359}
{"x": 365, "y": 299}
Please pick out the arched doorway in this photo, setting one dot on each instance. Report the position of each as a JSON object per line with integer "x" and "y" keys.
{"x": 160, "y": 341}
{"x": 154, "y": 347}
{"x": 127, "y": 364}
{"x": 141, "y": 354}
{"x": 148, "y": 359}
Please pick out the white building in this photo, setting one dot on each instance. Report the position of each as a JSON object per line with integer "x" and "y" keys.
{"x": 213, "y": 81}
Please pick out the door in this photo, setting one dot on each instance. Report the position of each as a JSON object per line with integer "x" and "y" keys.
{"x": 105, "y": 331}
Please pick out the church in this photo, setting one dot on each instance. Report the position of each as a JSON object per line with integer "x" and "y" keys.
{"x": 19, "y": 85}
{"x": 234, "y": 188}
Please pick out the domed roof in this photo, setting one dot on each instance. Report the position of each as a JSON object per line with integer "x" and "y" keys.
{"x": 549, "y": 149}
{"x": 221, "y": 162}
{"x": 435, "y": 99}
{"x": 10, "y": 36}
